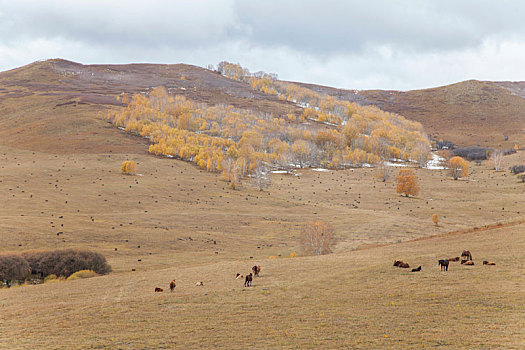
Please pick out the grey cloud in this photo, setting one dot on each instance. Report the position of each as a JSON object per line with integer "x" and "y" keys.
{"x": 396, "y": 44}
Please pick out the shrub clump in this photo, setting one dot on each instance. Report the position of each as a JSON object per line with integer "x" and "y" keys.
{"x": 472, "y": 153}
{"x": 65, "y": 262}
{"x": 516, "y": 169}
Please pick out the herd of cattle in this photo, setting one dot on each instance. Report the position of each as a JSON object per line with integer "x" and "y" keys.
{"x": 466, "y": 259}
{"x": 247, "y": 280}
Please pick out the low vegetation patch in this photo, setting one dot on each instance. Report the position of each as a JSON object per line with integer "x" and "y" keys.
{"x": 51, "y": 265}
{"x": 82, "y": 274}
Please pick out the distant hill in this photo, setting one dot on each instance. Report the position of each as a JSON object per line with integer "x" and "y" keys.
{"x": 467, "y": 113}
{"x": 51, "y": 105}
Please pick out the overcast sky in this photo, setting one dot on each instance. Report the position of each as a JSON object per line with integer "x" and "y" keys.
{"x": 384, "y": 44}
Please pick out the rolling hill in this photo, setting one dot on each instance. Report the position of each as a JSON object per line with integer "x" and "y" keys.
{"x": 467, "y": 113}
{"x": 52, "y": 105}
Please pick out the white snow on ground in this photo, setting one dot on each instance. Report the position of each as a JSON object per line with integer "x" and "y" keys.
{"x": 320, "y": 169}
{"x": 121, "y": 128}
{"x": 396, "y": 164}
{"x": 435, "y": 162}
{"x": 279, "y": 171}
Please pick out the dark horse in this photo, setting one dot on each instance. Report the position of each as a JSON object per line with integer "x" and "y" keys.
{"x": 248, "y": 280}
{"x": 466, "y": 254}
{"x": 443, "y": 264}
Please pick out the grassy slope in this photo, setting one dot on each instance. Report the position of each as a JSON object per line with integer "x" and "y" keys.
{"x": 354, "y": 299}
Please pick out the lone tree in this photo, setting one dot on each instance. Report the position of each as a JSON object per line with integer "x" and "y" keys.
{"x": 497, "y": 159}
{"x": 129, "y": 167}
{"x": 383, "y": 171}
{"x": 407, "y": 183}
{"x": 318, "y": 237}
{"x": 261, "y": 176}
{"x": 458, "y": 167}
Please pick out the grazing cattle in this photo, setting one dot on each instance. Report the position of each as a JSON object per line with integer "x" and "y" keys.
{"x": 256, "y": 269}
{"x": 172, "y": 285}
{"x": 443, "y": 264}
{"x": 401, "y": 264}
{"x": 485, "y": 262}
{"x": 466, "y": 254}
{"x": 416, "y": 270}
{"x": 239, "y": 276}
{"x": 248, "y": 280}
{"x": 158, "y": 290}
{"x": 467, "y": 262}
{"x": 199, "y": 283}
{"x": 454, "y": 259}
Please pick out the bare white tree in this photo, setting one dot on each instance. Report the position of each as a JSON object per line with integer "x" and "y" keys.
{"x": 318, "y": 237}
{"x": 261, "y": 176}
{"x": 497, "y": 159}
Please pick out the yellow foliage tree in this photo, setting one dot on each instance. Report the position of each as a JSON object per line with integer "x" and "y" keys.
{"x": 435, "y": 219}
{"x": 407, "y": 183}
{"x": 129, "y": 167}
{"x": 458, "y": 167}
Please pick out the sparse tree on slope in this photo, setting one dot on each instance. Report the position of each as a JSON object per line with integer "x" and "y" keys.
{"x": 129, "y": 167}
{"x": 407, "y": 183}
{"x": 458, "y": 167}
{"x": 318, "y": 237}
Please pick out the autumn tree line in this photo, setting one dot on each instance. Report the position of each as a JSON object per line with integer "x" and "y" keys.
{"x": 236, "y": 142}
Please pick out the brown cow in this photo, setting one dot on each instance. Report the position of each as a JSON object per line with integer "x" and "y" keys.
{"x": 401, "y": 264}
{"x": 172, "y": 285}
{"x": 158, "y": 289}
{"x": 454, "y": 259}
{"x": 466, "y": 254}
{"x": 485, "y": 262}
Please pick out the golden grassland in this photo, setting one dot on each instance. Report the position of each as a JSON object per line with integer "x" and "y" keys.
{"x": 352, "y": 298}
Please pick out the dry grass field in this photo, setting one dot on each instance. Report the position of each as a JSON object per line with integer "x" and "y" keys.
{"x": 61, "y": 187}
{"x": 353, "y": 298}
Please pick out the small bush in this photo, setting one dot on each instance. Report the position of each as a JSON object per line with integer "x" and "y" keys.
{"x": 293, "y": 255}
{"x": 50, "y": 278}
{"x": 445, "y": 145}
{"x": 82, "y": 274}
{"x": 516, "y": 169}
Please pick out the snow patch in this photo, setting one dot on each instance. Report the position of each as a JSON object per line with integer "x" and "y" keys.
{"x": 435, "y": 163}
{"x": 320, "y": 169}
